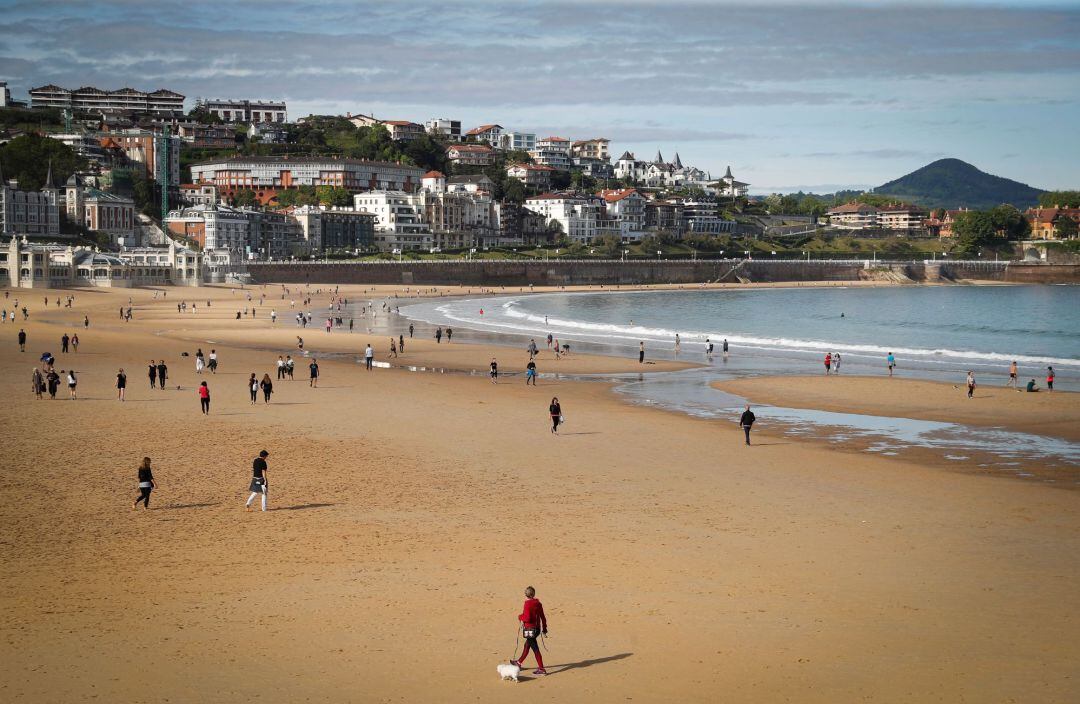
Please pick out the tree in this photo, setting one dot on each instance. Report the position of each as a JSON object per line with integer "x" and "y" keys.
{"x": 1009, "y": 222}
{"x": 143, "y": 191}
{"x": 581, "y": 181}
{"x": 335, "y": 196}
{"x": 304, "y": 195}
{"x": 28, "y": 157}
{"x": 608, "y": 245}
{"x": 560, "y": 180}
{"x": 514, "y": 191}
{"x": 973, "y": 229}
{"x": 245, "y": 197}
{"x": 1065, "y": 227}
{"x": 1060, "y": 199}
{"x": 203, "y": 116}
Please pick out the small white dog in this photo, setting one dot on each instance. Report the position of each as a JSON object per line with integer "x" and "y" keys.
{"x": 509, "y": 671}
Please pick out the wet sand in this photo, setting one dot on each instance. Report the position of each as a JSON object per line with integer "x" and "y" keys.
{"x": 992, "y": 405}
{"x": 410, "y": 510}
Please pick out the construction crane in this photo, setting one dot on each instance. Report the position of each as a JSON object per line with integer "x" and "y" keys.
{"x": 162, "y": 146}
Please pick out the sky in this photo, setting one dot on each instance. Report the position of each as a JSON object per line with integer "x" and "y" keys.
{"x": 792, "y": 96}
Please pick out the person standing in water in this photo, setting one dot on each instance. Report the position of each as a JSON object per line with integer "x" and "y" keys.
{"x": 724, "y": 348}
{"x": 1013, "y": 372}
{"x": 836, "y": 362}
{"x": 259, "y": 478}
{"x": 146, "y": 485}
{"x": 204, "y": 398}
{"x": 555, "y": 411}
{"x": 533, "y": 625}
{"x": 678, "y": 344}
{"x": 641, "y": 352}
{"x": 746, "y": 420}
{"x": 891, "y": 361}
{"x": 121, "y": 384}
{"x": 828, "y": 362}
{"x": 1050, "y": 379}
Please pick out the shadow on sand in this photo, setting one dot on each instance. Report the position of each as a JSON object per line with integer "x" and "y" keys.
{"x": 175, "y": 507}
{"x": 557, "y": 669}
{"x": 300, "y": 507}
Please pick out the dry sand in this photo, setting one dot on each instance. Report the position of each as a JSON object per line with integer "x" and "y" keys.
{"x": 1056, "y": 414}
{"x": 411, "y": 509}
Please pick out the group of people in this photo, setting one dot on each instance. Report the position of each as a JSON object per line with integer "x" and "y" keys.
{"x": 259, "y": 486}
{"x": 832, "y": 363}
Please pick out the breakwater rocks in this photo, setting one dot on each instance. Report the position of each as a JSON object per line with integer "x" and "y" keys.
{"x": 609, "y": 272}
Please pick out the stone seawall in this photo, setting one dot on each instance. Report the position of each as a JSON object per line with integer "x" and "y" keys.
{"x": 609, "y": 272}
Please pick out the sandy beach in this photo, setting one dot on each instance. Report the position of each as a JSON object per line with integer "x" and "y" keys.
{"x": 410, "y": 510}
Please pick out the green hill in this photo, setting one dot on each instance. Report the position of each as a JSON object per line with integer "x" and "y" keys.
{"x": 951, "y": 183}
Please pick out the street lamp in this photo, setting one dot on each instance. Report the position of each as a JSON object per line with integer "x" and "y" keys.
{"x": 658, "y": 255}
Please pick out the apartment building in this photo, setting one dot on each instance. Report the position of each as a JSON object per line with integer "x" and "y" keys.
{"x": 486, "y": 133}
{"x": 470, "y": 154}
{"x": 449, "y": 130}
{"x": 324, "y": 230}
{"x": 33, "y": 213}
{"x": 399, "y": 219}
{"x": 246, "y": 111}
{"x": 553, "y": 152}
{"x": 202, "y": 136}
{"x": 901, "y": 217}
{"x": 270, "y": 174}
{"x": 627, "y": 208}
{"x": 125, "y": 100}
{"x": 577, "y": 217}
{"x": 591, "y": 149}
{"x": 223, "y": 233}
{"x": 142, "y": 147}
{"x": 198, "y": 193}
{"x": 517, "y": 141}
{"x": 5, "y": 94}
{"x": 854, "y": 216}
{"x": 702, "y": 217}
{"x": 403, "y": 130}
{"x": 664, "y": 216}
{"x": 532, "y": 175}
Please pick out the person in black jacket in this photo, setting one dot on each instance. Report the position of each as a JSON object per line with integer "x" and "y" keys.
{"x": 746, "y": 420}
{"x": 162, "y": 373}
{"x": 146, "y": 484}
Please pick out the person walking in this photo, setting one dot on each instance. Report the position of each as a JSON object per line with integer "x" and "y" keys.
{"x": 530, "y": 373}
{"x": 146, "y": 485}
{"x": 204, "y": 398}
{"x": 1013, "y": 372}
{"x": 200, "y": 361}
{"x": 494, "y": 371}
{"x": 533, "y": 626}
{"x": 970, "y": 383}
{"x": 152, "y": 373}
{"x": 52, "y": 381}
{"x": 891, "y": 361}
{"x": 438, "y": 335}
{"x": 162, "y": 374}
{"x": 64, "y": 341}
{"x": 723, "y": 347}
{"x": 393, "y": 347}
{"x": 1050, "y": 379}
{"x": 369, "y": 356}
{"x": 72, "y": 382}
{"x": 641, "y": 352}
{"x": 449, "y": 335}
{"x": 410, "y": 330}
{"x": 313, "y": 372}
{"x": 259, "y": 485}
{"x": 532, "y": 349}
{"x": 267, "y": 387}
{"x": 22, "y": 340}
{"x": 253, "y": 388}
{"x": 75, "y": 343}
{"x": 828, "y": 362}
{"x": 746, "y": 420}
{"x": 37, "y": 383}
{"x": 213, "y": 362}
{"x": 121, "y": 384}
{"x": 290, "y": 366}
{"x": 555, "y": 411}
{"x": 836, "y": 362}
{"x": 401, "y": 344}
{"x": 280, "y": 367}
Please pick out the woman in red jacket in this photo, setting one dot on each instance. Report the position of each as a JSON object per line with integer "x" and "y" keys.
{"x": 533, "y": 623}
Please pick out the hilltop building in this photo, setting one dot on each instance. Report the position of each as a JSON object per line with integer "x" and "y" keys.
{"x": 245, "y": 111}
{"x": 124, "y": 100}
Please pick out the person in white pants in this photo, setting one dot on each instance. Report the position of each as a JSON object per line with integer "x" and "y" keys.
{"x": 258, "y": 480}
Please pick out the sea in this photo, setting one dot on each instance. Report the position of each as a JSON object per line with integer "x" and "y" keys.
{"x": 934, "y": 332}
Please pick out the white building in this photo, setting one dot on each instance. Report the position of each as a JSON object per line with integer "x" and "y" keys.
{"x": 627, "y": 208}
{"x": 553, "y": 152}
{"x": 728, "y": 186}
{"x": 24, "y": 265}
{"x": 90, "y": 99}
{"x": 403, "y": 130}
{"x": 899, "y": 216}
{"x": 532, "y": 175}
{"x": 517, "y": 141}
{"x": 269, "y": 174}
{"x": 399, "y": 219}
{"x": 659, "y": 173}
{"x": 449, "y": 130}
{"x": 222, "y": 232}
{"x": 491, "y": 134}
{"x": 591, "y": 149}
{"x": 5, "y": 94}
{"x": 246, "y": 111}
{"x": 470, "y": 154}
{"x": 578, "y": 217}
{"x": 854, "y": 216}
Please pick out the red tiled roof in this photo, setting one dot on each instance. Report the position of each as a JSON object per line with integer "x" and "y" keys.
{"x": 469, "y": 148}
{"x": 531, "y": 167}
{"x": 615, "y": 195}
{"x": 434, "y": 174}
{"x": 852, "y": 208}
{"x": 553, "y": 139}
{"x": 399, "y": 123}
{"x": 482, "y": 128}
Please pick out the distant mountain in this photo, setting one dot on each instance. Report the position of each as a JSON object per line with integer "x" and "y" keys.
{"x": 951, "y": 183}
